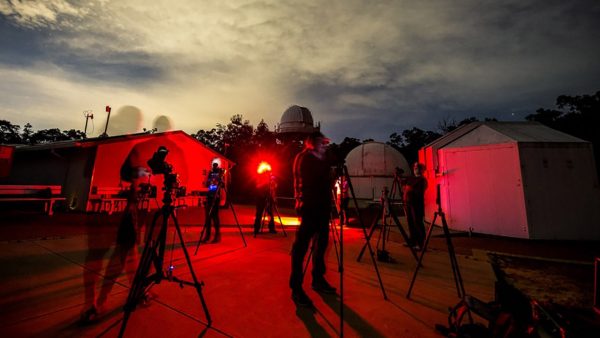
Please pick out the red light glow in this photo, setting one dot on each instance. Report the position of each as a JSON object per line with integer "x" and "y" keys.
{"x": 263, "y": 167}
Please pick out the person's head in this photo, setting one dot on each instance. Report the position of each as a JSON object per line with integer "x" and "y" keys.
{"x": 418, "y": 168}
{"x": 215, "y": 166}
{"x": 317, "y": 142}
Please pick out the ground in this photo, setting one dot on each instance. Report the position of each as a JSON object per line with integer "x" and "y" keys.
{"x": 245, "y": 287}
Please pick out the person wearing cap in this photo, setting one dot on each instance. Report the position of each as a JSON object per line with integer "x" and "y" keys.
{"x": 214, "y": 183}
{"x": 312, "y": 190}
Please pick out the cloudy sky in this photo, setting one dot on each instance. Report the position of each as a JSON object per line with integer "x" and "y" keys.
{"x": 364, "y": 68}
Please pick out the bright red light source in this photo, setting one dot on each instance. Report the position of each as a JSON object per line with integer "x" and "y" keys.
{"x": 263, "y": 167}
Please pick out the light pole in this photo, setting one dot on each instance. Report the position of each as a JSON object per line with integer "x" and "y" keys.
{"x": 107, "y": 119}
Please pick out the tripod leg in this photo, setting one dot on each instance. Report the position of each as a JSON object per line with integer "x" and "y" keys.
{"x": 404, "y": 235}
{"x": 161, "y": 244}
{"x": 262, "y": 220}
{"x": 138, "y": 286}
{"x": 347, "y": 177}
{"x": 204, "y": 229}
{"x": 312, "y": 248}
{"x": 280, "y": 221}
{"x": 199, "y": 240}
{"x": 197, "y": 285}
{"x": 382, "y": 231}
{"x": 334, "y": 236}
{"x": 141, "y": 279}
{"x": 460, "y": 289}
{"x": 368, "y": 237}
{"x": 236, "y": 222}
{"x": 424, "y": 249}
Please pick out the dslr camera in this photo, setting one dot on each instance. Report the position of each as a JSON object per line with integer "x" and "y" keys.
{"x": 159, "y": 166}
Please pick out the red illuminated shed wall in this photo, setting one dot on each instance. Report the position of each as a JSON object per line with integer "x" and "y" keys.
{"x": 190, "y": 159}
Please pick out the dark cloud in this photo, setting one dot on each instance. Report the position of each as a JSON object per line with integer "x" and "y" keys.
{"x": 364, "y": 69}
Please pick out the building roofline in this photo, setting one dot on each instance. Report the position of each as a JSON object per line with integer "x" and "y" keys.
{"x": 95, "y": 141}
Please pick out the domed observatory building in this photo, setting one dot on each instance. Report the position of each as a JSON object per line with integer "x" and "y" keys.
{"x": 296, "y": 121}
{"x": 371, "y": 167}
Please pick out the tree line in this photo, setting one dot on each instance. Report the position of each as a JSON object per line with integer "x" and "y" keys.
{"x": 12, "y": 134}
{"x": 244, "y": 144}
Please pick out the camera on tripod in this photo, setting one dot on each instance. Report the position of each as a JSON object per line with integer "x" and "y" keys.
{"x": 159, "y": 166}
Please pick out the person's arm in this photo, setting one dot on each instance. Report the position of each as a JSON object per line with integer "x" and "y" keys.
{"x": 297, "y": 171}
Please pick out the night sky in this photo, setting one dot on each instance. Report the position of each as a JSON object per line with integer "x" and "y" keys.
{"x": 365, "y": 69}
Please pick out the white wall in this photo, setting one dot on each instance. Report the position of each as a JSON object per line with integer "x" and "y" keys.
{"x": 561, "y": 190}
{"x": 369, "y": 188}
{"x": 482, "y": 190}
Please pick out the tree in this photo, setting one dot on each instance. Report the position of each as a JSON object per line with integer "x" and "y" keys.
{"x": 210, "y": 138}
{"x": 26, "y": 134}
{"x": 48, "y": 136}
{"x": 576, "y": 115}
{"x": 262, "y": 136}
{"x": 9, "y": 133}
{"x": 339, "y": 152}
{"x": 235, "y": 136}
{"x": 445, "y": 126}
{"x": 73, "y": 134}
{"x": 410, "y": 141}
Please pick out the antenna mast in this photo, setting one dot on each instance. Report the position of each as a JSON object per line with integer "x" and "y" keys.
{"x": 88, "y": 115}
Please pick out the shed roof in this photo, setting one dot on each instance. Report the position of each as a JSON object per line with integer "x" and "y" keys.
{"x": 492, "y": 132}
{"x": 531, "y": 132}
{"x": 496, "y": 132}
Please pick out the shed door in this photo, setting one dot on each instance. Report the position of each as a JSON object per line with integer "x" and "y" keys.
{"x": 484, "y": 191}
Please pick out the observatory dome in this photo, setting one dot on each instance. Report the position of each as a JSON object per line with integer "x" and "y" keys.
{"x": 371, "y": 167}
{"x": 296, "y": 119}
{"x": 375, "y": 159}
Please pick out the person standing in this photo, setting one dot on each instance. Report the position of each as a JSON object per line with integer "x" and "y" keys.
{"x": 214, "y": 183}
{"x": 413, "y": 194}
{"x": 265, "y": 197}
{"x": 341, "y": 188}
{"x": 312, "y": 190}
{"x": 125, "y": 256}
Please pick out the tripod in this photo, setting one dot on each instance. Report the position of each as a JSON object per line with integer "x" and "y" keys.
{"x": 270, "y": 207}
{"x": 346, "y": 176}
{"x": 213, "y": 205}
{"x": 460, "y": 289}
{"x": 386, "y": 210}
{"x": 154, "y": 253}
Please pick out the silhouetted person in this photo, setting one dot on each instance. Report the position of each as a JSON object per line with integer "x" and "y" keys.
{"x": 265, "y": 197}
{"x": 124, "y": 257}
{"x": 312, "y": 190}
{"x": 214, "y": 183}
{"x": 413, "y": 190}
{"x": 341, "y": 188}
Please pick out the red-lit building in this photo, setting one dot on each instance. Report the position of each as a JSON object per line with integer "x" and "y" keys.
{"x": 86, "y": 168}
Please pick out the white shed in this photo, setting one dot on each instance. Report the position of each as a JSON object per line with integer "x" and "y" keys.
{"x": 515, "y": 179}
{"x": 371, "y": 167}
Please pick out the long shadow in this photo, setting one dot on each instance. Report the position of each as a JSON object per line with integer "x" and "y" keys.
{"x": 307, "y": 315}
{"x": 353, "y": 319}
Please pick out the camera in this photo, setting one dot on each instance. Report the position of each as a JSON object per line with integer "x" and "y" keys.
{"x": 159, "y": 166}
{"x": 157, "y": 162}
